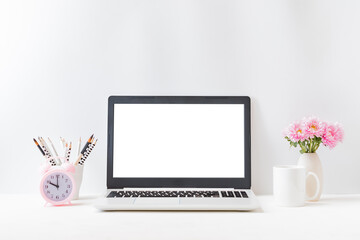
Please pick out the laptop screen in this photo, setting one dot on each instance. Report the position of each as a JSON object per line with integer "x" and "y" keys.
{"x": 178, "y": 141}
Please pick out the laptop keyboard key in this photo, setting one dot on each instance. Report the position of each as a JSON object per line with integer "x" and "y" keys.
{"x": 112, "y": 194}
{"x": 237, "y": 194}
{"x": 230, "y": 194}
{"x": 175, "y": 194}
{"x": 244, "y": 195}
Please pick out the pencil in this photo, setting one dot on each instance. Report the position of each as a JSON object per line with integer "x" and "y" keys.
{"x": 37, "y": 144}
{"x": 56, "y": 154}
{"x": 86, "y": 153}
{"x": 87, "y": 144}
{"x": 46, "y": 146}
{"x": 84, "y": 149}
{"x": 63, "y": 142}
{"x": 68, "y": 152}
{"x": 47, "y": 153}
{"x": 53, "y": 147}
{"x": 82, "y": 161}
{"x": 79, "y": 145}
{"x": 78, "y": 159}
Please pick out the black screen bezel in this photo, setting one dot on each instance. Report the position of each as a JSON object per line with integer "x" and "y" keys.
{"x": 237, "y": 183}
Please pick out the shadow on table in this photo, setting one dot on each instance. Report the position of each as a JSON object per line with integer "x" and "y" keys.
{"x": 87, "y": 198}
{"x": 83, "y": 201}
{"x": 334, "y": 200}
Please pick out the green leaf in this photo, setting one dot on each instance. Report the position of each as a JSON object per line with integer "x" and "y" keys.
{"x": 302, "y": 151}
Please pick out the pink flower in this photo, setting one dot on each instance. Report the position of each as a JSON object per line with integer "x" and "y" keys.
{"x": 339, "y": 132}
{"x": 295, "y": 132}
{"x": 313, "y": 127}
{"x": 333, "y": 133}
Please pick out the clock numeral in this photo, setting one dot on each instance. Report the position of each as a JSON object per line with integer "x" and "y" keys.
{"x": 47, "y": 181}
{"x": 52, "y": 177}
{"x": 46, "y": 186}
{"x": 68, "y": 186}
{"x": 62, "y": 176}
{"x": 66, "y": 180}
{"x": 47, "y": 191}
{"x": 57, "y": 197}
{"x": 67, "y": 191}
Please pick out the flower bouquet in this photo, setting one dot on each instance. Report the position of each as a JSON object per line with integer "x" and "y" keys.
{"x": 310, "y": 133}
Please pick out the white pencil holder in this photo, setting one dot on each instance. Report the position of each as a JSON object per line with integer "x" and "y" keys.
{"x": 78, "y": 176}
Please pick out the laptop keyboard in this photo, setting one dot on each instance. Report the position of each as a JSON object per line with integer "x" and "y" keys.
{"x": 186, "y": 194}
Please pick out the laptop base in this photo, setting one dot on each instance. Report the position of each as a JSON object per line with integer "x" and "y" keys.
{"x": 178, "y": 203}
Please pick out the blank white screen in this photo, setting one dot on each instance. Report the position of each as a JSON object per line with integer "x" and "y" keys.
{"x": 179, "y": 140}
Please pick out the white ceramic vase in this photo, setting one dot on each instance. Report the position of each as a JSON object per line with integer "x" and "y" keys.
{"x": 311, "y": 162}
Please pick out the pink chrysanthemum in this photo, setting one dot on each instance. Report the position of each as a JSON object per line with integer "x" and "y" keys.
{"x": 295, "y": 132}
{"x": 339, "y": 132}
{"x": 333, "y": 133}
{"x": 312, "y": 127}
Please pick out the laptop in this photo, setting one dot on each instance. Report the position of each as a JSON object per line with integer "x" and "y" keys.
{"x": 178, "y": 153}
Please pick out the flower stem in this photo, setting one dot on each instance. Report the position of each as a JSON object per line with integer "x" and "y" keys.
{"x": 301, "y": 144}
{"x": 317, "y": 146}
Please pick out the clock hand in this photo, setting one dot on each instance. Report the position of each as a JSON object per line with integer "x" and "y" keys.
{"x": 57, "y": 180}
{"x": 57, "y": 186}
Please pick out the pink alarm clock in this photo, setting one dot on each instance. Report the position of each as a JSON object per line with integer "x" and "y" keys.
{"x": 57, "y": 185}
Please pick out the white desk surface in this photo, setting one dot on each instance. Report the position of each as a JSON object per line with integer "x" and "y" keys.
{"x": 25, "y": 217}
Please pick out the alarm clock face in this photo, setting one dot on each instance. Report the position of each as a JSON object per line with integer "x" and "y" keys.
{"x": 57, "y": 186}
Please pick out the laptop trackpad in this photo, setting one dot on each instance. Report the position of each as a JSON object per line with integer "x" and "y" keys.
{"x": 157, "y": 201}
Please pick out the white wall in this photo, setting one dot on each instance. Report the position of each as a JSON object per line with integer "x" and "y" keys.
{"x": 60, "y": 60}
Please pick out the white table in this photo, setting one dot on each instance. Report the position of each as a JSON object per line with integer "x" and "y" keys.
{"x": 25, "y": 217}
